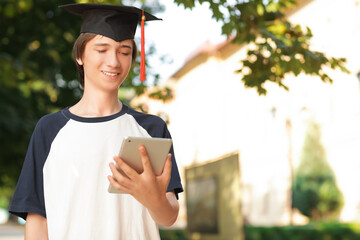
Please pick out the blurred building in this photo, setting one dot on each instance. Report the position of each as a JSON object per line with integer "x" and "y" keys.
{"x": 214, "y": 115}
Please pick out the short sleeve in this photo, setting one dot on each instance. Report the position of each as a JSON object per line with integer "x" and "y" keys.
{"x": 156, "y": 127}
{"x": 175, "y": 181}
{"x": 29, "y": 191}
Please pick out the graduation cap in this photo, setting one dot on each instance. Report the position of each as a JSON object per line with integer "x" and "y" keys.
{"x": 113, "y": 21}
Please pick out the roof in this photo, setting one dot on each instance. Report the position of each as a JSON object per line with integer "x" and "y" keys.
{"x": 225, "y": 48}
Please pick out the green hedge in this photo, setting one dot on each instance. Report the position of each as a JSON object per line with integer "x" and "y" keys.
{"x": 318, "y": 231}
{"x": 178, "y": 234}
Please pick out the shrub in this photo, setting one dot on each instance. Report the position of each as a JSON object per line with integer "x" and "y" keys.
{"x": 314, "y": 191}
{"x": 318, "y": 231}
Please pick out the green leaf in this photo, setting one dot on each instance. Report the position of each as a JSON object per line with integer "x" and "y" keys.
{"x": 186, "y": 3}
{"x": 260, "y": 9}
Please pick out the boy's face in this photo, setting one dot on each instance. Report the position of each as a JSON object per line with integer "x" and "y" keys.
{"x": 106, "y": 63}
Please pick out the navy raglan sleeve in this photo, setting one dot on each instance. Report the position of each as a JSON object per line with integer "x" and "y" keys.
{"x": 156, "y": 127}
{"x": 175, "y": 181}
{"x": 29, "y": 191}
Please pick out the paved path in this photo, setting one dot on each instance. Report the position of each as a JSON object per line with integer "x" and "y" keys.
{"x": 11, "y": 232}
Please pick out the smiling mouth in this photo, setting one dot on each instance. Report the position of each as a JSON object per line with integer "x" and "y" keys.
{"x": 110, "y": 74}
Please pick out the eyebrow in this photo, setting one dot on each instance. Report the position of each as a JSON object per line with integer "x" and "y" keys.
{"x": 106, "y": 45}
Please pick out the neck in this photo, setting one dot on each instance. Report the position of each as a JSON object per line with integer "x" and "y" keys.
{"x": 97, "y": 104}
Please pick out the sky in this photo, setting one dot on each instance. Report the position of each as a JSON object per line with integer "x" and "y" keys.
{"x": 179, "y": 34}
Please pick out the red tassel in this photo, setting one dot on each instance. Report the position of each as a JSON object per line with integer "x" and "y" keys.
{"x": 142, "y": 61}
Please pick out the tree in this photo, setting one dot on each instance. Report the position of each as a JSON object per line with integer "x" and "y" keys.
{"x": 315, "y": 192}
{"x": 279, "y": 47}
{"x": 38, "y": 75}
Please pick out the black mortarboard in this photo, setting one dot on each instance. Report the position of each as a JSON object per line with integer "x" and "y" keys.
{"x": 116, "y": 22}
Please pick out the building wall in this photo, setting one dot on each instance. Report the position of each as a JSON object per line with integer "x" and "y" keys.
{"x": 213, "y": 114}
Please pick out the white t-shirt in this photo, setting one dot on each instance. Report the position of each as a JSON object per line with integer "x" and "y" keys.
{"x": 64, "y": 176}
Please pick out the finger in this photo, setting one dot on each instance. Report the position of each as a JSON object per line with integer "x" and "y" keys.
{"x": 117, "y": 186}
{"x": 125, "y": 168}
{"x": 145, "y": 159}
{"x": 118, "y": 177}
{"x": 167, "y": 168}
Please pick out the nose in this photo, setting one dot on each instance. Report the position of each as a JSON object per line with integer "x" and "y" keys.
{"x": 113, "y": 60}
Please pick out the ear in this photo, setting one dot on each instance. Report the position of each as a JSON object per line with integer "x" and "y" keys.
{"x": 79, "y": 61}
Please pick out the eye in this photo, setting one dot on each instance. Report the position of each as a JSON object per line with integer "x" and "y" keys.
{"x": 101, "y": 50}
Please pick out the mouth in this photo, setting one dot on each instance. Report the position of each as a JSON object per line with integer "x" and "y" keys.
{"x": 110, "y": 74}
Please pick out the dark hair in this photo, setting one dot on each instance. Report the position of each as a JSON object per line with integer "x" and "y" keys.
{"x": 79, "y": 48}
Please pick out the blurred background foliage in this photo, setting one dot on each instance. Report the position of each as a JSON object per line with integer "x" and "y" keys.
{"x": 314, "y": 191}
{"x": 313, "y": 231}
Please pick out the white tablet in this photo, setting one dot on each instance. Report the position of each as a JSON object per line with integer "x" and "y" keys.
{"x": 156, "y": 148}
